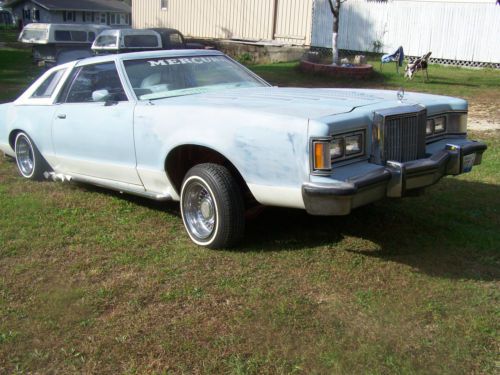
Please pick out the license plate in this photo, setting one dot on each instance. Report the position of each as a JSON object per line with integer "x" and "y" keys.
{"x": 468, "y": 162}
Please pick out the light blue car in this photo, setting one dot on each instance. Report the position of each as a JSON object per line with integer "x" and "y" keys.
{"x": 196, "y": 127}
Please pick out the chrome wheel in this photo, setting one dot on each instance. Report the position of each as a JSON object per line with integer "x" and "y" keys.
{"x": 25, "y": 156}
{"x": 212, "y": 206}
{"x": 199, "y": 209}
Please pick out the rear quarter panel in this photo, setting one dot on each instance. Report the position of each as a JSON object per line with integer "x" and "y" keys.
{"x": 34, "y": 120}
{"x": 4, "y": 135}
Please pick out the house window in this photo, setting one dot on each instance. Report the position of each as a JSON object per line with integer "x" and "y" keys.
{"x": 164, "y": 4}
{"x": 88, "y": 17}
{"x": 69, "y": 16}
{"x": 35, "y": 15}
{"x": 26, "y": 14}
{"x": 118, "y": 19}
{"x": 101, "y": 18}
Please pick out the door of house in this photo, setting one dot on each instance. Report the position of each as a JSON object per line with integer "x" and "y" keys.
{"x": 292, "y": 21}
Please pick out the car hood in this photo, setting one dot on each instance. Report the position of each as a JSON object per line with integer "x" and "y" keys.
{"x": 310, "y": 103}
{"x": 297, "y": 102}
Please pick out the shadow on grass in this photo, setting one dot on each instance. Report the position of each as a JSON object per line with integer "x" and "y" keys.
{"x": 169, "y": 207}
{"x": 450, "y": 232}
{"x": 450, "y": 235}
{"x": 449, "y": 83}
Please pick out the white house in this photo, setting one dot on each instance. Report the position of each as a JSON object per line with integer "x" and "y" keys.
{"x": 106, "y": 12}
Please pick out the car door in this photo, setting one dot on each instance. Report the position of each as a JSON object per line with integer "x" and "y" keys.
{"x": 92, "y": 130}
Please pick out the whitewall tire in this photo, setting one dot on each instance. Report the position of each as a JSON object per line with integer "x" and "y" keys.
{"x": 212, "y": 206}
{"x": 30, "y": 163}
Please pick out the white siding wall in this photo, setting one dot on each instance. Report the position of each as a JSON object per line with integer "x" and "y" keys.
{"x": 456, "y": 30}
{"x": 245, "y": 19}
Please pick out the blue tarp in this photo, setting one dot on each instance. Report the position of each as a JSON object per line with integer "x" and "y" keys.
{"x": 394, "y": 57}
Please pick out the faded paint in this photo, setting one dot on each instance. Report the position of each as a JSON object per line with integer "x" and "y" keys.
{"x": 264, "y": 132}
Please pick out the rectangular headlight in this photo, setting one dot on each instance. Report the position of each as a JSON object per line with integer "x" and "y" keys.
{"x": 457, "y": 123}
{"x": 429, "y": 128}
{"x": 353, "y": 144}
{"x": 439, "y": 124}
{"x": 337, "y": 148}
{"x": 450, "y": 123}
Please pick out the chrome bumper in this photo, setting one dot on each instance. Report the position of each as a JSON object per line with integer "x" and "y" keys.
{"x": 394, "y": 180}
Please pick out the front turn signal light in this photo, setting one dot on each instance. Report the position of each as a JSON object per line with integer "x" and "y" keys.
{"x": 322, "y": 157}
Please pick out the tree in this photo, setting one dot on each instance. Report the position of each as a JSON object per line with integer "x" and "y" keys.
{"x": 335, "y": 8}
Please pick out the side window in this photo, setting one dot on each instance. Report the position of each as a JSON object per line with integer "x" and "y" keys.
{"x": 175, "y": 40}
{"x": 140, "y": 41}
{"x": 78, "y": 36}
{"x": 92, "y": 78}
{"x": 62, "y": 35}
{"x": 46, "y": 89}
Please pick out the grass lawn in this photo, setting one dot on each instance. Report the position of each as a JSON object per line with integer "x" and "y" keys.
{"x": 92, "y": 281}
{"x": 16, "y": 68}
{"x": 443, "y": 80}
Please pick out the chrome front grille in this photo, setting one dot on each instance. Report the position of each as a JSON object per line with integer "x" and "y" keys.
{"x": 404, "y": 138}
{"x": 399, "y": 134}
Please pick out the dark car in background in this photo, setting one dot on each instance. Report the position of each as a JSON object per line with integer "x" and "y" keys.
{"x": 136, "y": 40}
{"x": 173, "y": 39}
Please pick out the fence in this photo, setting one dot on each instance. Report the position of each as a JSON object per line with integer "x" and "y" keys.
{"x": 466, "y": 32}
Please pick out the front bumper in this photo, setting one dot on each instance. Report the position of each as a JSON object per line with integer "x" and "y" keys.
{"x": 337, "y": 197}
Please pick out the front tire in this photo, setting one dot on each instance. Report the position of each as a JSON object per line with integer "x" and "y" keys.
{"x": 212, "y": 206}
{"x": 30, "y": 163}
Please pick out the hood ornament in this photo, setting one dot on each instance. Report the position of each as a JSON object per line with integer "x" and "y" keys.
{"x": 401, "y": 94}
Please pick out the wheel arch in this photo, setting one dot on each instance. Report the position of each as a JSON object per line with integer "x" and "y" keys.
{"x": 12, "y": 136}
{"x": 183, "y": 157}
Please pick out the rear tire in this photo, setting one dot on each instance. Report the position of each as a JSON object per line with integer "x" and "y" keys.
{"x": 30, "y": 163}
{"x": 212, "y": 206}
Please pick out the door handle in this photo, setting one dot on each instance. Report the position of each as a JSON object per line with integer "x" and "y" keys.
{"x": 62, "y": 116}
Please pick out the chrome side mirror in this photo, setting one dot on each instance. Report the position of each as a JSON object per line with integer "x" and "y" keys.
{"x": 100, "y": 95}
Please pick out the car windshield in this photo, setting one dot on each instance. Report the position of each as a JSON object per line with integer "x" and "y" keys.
{"x": 106, "y": 41}
{"x": 33, "y": 35}
{"x": 157, "y": 78}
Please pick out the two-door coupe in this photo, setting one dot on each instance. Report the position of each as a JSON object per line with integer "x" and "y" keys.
{"x": 196, "y": 127}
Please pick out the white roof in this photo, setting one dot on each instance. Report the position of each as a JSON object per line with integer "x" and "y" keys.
{"x": 65, "y": 26}
{"x": 150, "y": 54}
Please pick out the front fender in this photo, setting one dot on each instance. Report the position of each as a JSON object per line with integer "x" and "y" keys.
{"x": 267, "y": 150}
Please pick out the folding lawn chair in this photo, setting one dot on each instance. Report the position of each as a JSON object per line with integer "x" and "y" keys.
{"x": 421, "y": 63}
{"x": 396, "y": 57}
